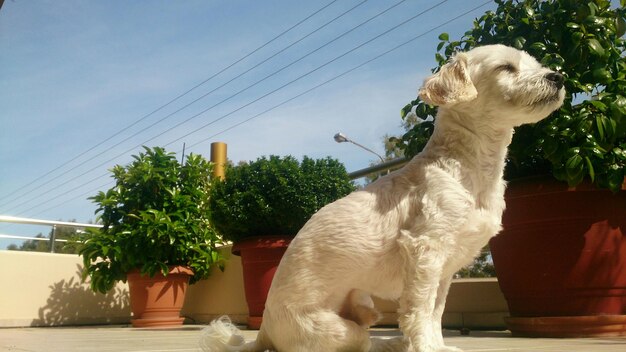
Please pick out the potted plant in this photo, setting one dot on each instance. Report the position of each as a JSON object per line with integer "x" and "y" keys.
{"x": 261, "y": 205}
{"x": 561, "y": 257}
{"x": 156, "y": 234}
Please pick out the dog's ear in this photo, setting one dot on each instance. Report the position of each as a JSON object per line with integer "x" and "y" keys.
{"x": 452, "y": 84}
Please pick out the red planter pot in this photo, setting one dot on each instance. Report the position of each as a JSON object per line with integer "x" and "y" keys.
{"x": 157, "y": 301}
{"x": 561, "y": 259}
{"x": 260, "y": 257}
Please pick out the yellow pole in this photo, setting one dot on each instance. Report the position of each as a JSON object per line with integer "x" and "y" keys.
{"x": 218, "y": 158}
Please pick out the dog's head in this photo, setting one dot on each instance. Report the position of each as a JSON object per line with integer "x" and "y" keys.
{"x": 501, "y": 82}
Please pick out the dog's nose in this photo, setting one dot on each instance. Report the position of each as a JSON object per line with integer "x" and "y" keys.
{"x": 556, "y": 78}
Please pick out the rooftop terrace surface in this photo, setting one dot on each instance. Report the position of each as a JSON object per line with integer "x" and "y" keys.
{"x": 123, "y": 338}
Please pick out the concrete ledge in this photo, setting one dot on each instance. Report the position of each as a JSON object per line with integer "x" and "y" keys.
{"x": 471, "y": 303}
{"x": 475, "y": 304}
{"x": 43, "y": 289}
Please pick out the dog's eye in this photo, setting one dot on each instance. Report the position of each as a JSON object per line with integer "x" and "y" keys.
{"x": 507, "y": 68}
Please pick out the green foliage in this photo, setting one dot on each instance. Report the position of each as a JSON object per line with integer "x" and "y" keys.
{"x": 275, "y": 196}
{"x": 32, "y": 245}
{"x": 155, "y": 216}
{"x": 582, "y": 40}
{"x": 481, "y": 267}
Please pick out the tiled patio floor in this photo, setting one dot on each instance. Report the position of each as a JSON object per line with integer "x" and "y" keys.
{"x": 121, "y": 338}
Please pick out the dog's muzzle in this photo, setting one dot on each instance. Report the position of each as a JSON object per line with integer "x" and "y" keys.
{"x": 549, "y": 90}
{"x": 556, "y": 78}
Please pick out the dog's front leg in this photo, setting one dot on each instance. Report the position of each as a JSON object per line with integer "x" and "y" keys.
{"x": 423, "y": 284}
{"x": 440, "y": 304}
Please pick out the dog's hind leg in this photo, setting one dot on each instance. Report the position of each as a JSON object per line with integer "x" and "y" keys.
{"x": 319, "y": 331}
{"x": 359, "y": 308}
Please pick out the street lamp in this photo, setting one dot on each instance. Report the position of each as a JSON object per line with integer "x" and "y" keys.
{"x": 341, "y": 138}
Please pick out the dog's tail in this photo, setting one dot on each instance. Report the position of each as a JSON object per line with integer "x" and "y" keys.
{"x": 223, "y": 336}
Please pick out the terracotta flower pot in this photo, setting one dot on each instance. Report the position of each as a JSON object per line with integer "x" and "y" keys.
{"x": 561, "y": 259}
{"x": 260, "y": 257}
{"x": 157, "y": 301}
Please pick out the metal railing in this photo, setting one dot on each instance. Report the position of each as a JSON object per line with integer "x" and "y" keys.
{"x": 384, "y": 166}
{"x": 53, "y": 224}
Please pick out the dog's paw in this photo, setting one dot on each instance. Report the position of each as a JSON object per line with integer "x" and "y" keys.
{"x": 435, "y": 349}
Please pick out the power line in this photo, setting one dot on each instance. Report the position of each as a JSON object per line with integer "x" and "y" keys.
{"x": 308, "y": 73}
{"x": 342, "y": 74}
{"x": 161, "y": 107}
{"x": 338, "y": 76}
{"x": 253, "y": 101}
{"x": 194, "y": 101}
{"x": 92, "y": 191}
{"x": 231, "y": 80}
{"x": 234, "y": 95}
{"x": 54, "y": 197}
{"x": 291, "y": 64}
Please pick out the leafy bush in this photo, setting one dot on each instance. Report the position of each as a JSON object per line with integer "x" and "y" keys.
{"x": 582, "y": 40}
{"x": 155, "y": 216}
{"x": 275, "y": 196}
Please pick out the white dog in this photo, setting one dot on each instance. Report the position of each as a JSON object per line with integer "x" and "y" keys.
{"x": 405, "y": 235}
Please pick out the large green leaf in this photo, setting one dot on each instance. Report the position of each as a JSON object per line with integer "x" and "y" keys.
{"x": 595, "y": 47}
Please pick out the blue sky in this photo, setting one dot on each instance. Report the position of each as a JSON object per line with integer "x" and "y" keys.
{"x": 78, "y": 75}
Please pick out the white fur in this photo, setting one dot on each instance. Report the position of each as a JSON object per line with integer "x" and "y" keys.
{"x": 405, "y": 235}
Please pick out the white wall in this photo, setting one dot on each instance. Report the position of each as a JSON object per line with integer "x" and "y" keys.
{"x": 44, "y": 289}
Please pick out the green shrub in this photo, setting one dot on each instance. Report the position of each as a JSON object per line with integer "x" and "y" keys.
{"x": 155, "y": 216}
{"x": 582, "y": 40}
{"x": 275, "y": 196}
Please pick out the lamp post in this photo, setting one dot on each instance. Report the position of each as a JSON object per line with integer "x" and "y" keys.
{"x": 341, "y": 138}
